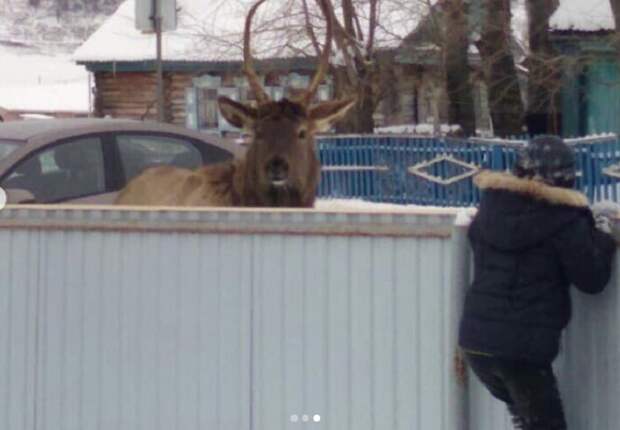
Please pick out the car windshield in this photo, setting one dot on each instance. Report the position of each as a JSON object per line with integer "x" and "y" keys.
{"x": 6, "y": 147}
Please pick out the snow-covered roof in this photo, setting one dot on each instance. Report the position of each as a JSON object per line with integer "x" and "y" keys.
{"x": 213, "y": 31}
{"x": 583, "y": 15}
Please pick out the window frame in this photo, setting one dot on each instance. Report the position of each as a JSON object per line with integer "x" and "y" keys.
{"x": 105, "y": 147}
{"x": 201, "y": 146}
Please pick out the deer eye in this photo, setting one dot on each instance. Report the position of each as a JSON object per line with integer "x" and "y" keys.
{"x": 302, "y": 134}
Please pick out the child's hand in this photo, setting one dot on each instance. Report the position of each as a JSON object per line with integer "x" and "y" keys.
{"x": 603, "y": 212}
{"x": 460, "y": 367}
{"x": 603, "y": 223}
{"x": 607, "y": 208}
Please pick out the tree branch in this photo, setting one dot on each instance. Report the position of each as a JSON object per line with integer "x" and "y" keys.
{"x": 310, "y": 29}
{"x": 372, "y": 24}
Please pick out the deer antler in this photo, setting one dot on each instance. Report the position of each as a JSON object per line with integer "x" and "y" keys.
{"x": 307, "y": 96}
{"x": 248, "y": 68}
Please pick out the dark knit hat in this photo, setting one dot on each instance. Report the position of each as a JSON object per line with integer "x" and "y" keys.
{"x": 548, "y": 159}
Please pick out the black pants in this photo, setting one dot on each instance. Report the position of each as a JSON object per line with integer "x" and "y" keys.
{"x": 529, "y": 391}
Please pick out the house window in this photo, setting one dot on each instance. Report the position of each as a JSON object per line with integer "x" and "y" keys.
{"x": 275, "y": 92}
{"x": 140, "y": 151}
{"x": 208, "y": 110}
{"x": 323, "y": 93}
{"x": 64, "y": 171}
{"x": 231, "y": 93}
{"x": 249, "y": 97}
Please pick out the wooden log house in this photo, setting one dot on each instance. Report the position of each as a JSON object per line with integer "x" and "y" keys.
{"x": 584, "y": 36}
{"x": 122, "y": 62}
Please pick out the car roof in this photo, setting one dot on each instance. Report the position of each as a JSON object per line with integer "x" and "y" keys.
{"x": 35, "y": 133}
{"x": 30, "y": 128}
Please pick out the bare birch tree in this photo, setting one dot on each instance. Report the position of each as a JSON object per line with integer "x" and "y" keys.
{"x": 615, "y": 7}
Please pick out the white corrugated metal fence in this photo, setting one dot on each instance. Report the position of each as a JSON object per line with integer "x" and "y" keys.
{"x": 258, "y": 320}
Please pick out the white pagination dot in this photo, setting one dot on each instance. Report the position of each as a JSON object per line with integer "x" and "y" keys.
{"x": 305, "y": 418}
{"x": 316, "y": 418}
{"x": 294, "y": 418}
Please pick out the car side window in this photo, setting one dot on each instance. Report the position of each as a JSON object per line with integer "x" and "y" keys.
{"x": 64, "y": 171}
{"x": 140, "y": 151}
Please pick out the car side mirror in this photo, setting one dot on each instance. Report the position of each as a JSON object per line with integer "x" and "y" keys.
{"x": 19, "y": 196}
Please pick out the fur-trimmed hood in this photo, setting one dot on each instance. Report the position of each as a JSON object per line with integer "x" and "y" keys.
{"x": 555, "y": 195}
{"x": 517, "y": 213}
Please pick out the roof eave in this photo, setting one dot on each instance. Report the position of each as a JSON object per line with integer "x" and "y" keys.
{"x": 575, "y": 43}
{"x": 577, "y": 32}
{"x": 299, "y": 63}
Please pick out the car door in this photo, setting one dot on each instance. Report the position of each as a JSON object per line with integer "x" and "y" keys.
{"x": 69, "y": 171}
{"x": 140, "y": 151}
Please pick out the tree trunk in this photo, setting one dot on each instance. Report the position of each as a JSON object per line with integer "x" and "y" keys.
{"x": 360, "y": 117}
{"x": 505, "y": 100}
{"x": 615, "y": 7}
{"x": 458, "y": 84}
{"x": 62, "y": 6}
{"x": 359, "y": 74}
{"x": 544, "y": 75}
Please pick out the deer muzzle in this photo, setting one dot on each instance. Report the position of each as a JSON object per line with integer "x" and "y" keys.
{"x": 277, "y": 171}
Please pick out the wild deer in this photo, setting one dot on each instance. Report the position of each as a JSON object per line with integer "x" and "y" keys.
{"x": 280, "y": 166}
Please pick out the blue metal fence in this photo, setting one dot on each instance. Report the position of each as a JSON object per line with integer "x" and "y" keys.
{"x": 439, "y": 171}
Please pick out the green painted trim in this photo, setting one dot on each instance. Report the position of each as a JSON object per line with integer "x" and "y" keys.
{"x": 571, "y": 102}
{"x": 583, "y": 43}
{"x": 305, "y": 63}
{"x": 591, "y": 97}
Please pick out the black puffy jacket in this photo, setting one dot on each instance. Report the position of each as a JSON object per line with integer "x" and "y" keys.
{"x": 530, "y": 242}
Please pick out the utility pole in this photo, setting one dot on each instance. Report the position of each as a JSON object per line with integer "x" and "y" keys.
{"x": 156, "y": 18}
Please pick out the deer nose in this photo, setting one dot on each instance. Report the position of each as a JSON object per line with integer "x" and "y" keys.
{"x": 277, "y": 171}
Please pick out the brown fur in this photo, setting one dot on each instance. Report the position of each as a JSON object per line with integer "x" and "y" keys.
{"x": 212, "y": 185}
{"x": 244, "y": 182}
{"x": 536, "y": 189}
{"x": 280, "y": 167}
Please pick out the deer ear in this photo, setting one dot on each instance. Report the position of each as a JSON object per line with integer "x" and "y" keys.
{"x": 239, "y": 115}
{"x": 326, "y": 113}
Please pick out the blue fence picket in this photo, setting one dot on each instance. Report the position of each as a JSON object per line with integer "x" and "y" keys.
{"x": 377, "y": 168}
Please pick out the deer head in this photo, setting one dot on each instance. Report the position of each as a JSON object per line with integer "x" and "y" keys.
{"x": 280, "y": 161}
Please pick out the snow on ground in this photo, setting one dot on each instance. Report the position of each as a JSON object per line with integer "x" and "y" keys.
{"x": 359, "y": 205}
{"x": 71, "y": 97}
{"x": 39, "y": 82}
{"x": 583, "y": 15}
{"x": 422, "y": 128}
{"x": 36, "y": 69}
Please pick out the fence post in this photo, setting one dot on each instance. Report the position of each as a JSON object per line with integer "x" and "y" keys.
{"x": 497, "y": 158}
{"x": 460, "y": 272}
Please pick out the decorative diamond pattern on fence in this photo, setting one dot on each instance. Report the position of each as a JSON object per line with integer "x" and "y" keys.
{"x": 613, "y": 171}
{"x": 439, "y": 171}
{"x": 444, "y": 170}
